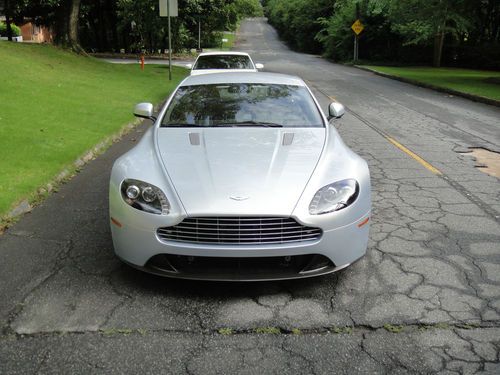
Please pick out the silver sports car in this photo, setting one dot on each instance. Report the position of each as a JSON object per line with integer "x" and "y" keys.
{"x": 241, "y": 177}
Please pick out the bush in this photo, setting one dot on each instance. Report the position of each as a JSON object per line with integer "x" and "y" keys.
{"x": 16, "y": 31}
{"x": 297, "y": 21}
{"x": 474, "y": 56}
{"x": 249, "y": 8}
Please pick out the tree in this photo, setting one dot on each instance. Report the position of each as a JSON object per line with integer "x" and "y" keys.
{"x": 377, "y": 41}
{"x": 297, "y": 21}
{"x": 61, "y": 15}
{"x": 420, "y": 21}
{"x": 456, "y": 32}
{"x": 106, "y": 25}
{"x": 5, "y": 6}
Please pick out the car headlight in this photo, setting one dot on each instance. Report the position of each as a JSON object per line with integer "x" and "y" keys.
{"x": 145, "y": 197}
{"x": 334, "y": 197}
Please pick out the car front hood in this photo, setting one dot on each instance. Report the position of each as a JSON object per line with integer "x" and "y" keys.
{"x": 240, "y": 171}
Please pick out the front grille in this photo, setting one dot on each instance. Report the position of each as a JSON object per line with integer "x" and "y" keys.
{"x": 239, "y": 230}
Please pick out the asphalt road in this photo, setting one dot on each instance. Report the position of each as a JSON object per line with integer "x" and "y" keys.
{"x": 425, "y": 299}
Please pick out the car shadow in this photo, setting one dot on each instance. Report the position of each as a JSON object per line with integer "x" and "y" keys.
{"x": 141, "y": 282}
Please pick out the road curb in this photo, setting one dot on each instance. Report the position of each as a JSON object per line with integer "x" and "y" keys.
{"x": 476, "y": 98}
{"x": 123, "y": 56}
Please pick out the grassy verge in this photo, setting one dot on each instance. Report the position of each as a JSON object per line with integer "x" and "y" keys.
{"x": 226, "y": 46}
{"x": 56, "y": 105}
{"x": 475, "y": 82}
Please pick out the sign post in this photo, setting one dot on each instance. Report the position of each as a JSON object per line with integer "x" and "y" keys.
{"x": 199, "y": 33}
{"x": 357, "y": 27}
{"x": 168, "y": 8}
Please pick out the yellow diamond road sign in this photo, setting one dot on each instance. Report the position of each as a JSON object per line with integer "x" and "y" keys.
{"x": 357, "y": 27}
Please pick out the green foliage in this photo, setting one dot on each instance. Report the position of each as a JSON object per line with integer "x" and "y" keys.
{"x": 467, "y": 31}
{"x": 336, "y": 34}
{"x": 248, "y": 8}
{"x": 117, "y": 331}
{"x": 341, "y": 330}
{"x": 230, "y": 36}
{"x": 418, "y": 21}
{"x": 143, "y": 29}
{"x": 392, "y": 328}
{"x": 297, "y": 21}
{"x": 16, "y": 31}
{"x": 225, "y": 331}
{"x": 135, "y": 25}
{"x": 377, "y": 41}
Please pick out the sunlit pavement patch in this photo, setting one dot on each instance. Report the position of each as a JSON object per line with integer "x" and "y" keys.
{"x": 488, "y": 161}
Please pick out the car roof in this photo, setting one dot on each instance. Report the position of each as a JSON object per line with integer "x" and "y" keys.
{"x": 242, "y": 77}
{"x": 218, "y": 53}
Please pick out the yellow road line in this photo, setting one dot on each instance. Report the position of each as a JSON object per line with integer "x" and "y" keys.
{"x": 414, "y": 156}
{"x": 410, "y": 153}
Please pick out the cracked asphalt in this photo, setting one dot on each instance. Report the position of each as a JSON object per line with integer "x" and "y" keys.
{"x": 425, "y": 299}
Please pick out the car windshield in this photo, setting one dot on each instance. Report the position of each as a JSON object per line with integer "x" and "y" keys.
{"x": 242, "y": 104}
{"x": 223, "y": 62}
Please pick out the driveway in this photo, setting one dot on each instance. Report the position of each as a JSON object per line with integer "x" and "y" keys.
{"x": 426, "y": 298}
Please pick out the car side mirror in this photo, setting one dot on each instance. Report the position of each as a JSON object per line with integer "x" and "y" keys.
{"x": 259, "y": 66}
{"x": 144, "y": 110}
{"x": 189, "y": 66}
{"x": 335, "y": 110}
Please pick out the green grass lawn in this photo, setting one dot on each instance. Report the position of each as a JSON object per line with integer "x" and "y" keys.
{"x": 226, "y": 46}
{"x": 56, "y": 105}
{"x": 476, "y": 82}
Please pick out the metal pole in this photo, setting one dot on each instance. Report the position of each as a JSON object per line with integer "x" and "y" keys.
{"x": 356, "y": 37}
{"x": 354, "y": 52}
{"x": 169, "y": 43}
{"x": 356, "y": 48}
{"x": 199, "y": 33}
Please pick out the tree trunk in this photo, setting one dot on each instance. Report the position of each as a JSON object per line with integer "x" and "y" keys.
{"x": 112, "y": 21}
{"x": 66, "y": 25}
{"x": 7, "y": 20}
{"x": 74, "y": 11}
{"x": 61, "y": 24}
{"x": 438, "y": 48}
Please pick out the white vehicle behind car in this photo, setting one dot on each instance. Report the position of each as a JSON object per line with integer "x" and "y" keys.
{"x": 218, "y": 62}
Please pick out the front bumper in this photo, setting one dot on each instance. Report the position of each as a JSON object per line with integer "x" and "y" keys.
{"x": 138, "y": 247}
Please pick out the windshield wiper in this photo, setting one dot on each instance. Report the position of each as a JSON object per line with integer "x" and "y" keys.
{"x": 253, "y": 123}
{"x": 224, "y": 125}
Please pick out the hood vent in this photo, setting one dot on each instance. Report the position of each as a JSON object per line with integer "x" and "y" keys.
{"x": 194, "y": 139}
{"x": 287, "y": 139}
